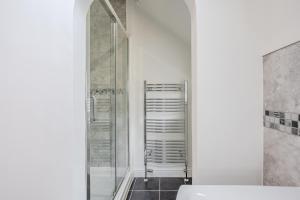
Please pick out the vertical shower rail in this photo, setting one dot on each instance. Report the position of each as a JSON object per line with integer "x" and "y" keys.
{"x": 166, "y": 126}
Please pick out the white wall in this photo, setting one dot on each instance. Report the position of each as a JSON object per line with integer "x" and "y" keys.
{"x": 42, "y": 146}
{"x": 278, "y": 23}
{"x": 42, "y": 83}
{"x": 36, "y": 84}
{"x": 80, "y": 43}
{"x": 157, "y": 55}
{"x": 228, "y": 144}
{"x": 232, "y": 38}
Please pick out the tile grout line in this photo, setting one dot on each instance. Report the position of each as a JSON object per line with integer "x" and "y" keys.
{"x": 149, "y": 190}
{"x": 159, "y": 188}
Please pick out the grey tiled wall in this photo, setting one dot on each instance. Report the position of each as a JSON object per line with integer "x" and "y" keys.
{"x": 120, "y": 8}
{"x": 102, "y": 77}
{"x": 281, "y": 117}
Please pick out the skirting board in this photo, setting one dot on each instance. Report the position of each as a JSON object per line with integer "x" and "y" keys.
{"x": 125, "y": 186}
{"x": 162, "y": 173}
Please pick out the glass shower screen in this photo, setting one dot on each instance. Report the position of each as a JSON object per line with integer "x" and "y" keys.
{"x": 122, "y": 157}
{"x": 107, "y": 103}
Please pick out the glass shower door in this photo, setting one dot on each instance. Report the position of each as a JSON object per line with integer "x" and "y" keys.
{"x": 101, "y": 133}
{"x": 107, "y": 110}
{"x": 122, "y": 133}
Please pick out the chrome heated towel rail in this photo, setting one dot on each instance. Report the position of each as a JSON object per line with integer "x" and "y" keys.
{"x": 165, "y": 126}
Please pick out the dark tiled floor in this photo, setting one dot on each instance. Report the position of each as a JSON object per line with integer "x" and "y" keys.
{"x": 151, "y": 184}
{"x": 168, "y": 195}
{"x": 144, "y": 195}
{"x": 155, "y": 189}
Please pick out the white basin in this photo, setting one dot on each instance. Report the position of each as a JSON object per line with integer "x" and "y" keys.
{"x": 201, "y": 192}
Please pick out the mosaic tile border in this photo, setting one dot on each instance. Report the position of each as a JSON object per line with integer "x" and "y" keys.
{"x": 283, "y": 121}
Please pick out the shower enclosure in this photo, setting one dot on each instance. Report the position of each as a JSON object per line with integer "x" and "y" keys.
{"x": 107, "y": 102}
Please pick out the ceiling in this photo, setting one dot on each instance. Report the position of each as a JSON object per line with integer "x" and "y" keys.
{"x": 172, "y": 14}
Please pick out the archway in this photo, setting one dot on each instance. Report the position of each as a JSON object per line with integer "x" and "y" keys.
{"x": 160, "y": 47}
{"x": 79, "y": 151}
